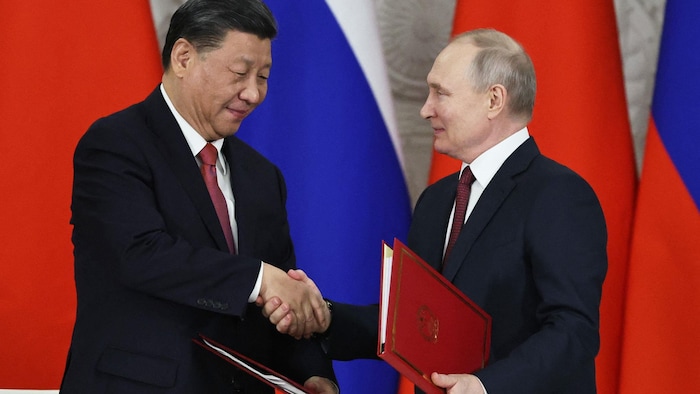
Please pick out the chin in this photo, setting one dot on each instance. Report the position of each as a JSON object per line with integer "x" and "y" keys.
{"x": 228, "y": 131}
{"x": 440, "y": 147}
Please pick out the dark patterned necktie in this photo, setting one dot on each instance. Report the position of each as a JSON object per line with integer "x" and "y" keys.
{"x": 463, "y": 190}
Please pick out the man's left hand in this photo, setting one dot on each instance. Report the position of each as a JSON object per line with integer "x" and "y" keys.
{"x": 319, "y": 385}
{"x": 458, "y": 383}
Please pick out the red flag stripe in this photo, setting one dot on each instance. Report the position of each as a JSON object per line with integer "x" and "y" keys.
{"x": 70, "y": 63}
{"x": 660, "y": 343}
{"x": 661, "y": 347}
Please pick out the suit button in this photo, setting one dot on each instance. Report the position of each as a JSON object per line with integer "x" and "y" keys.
{"x": 236, "y": 386}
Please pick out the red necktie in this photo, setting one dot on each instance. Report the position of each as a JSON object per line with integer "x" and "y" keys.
{"x": 208, "y": 157}
{"x": 463, "y": 190}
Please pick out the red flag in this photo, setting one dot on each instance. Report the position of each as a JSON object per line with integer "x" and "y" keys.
{"x": 661, "y": 346}
{"x": 580, "y": 120}
{"x": 65, "y": 64}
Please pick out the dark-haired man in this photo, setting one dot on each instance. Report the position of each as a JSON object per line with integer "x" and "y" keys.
{"x": 179, "y": 225}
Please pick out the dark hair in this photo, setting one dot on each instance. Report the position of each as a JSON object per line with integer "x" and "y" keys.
{"x": 205, "y": 23}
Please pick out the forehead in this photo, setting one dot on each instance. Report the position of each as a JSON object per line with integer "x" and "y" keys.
{"x": 452, "y": 64}
{"x": 247, "y": 47}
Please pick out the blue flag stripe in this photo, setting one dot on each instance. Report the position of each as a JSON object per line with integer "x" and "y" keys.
{"x": 675, "y": 104}
{"x": 322, "y": 125}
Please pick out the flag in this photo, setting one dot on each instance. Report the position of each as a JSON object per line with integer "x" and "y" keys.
{"x": 580, "y": 120}
{"x": 328, "y": 123}
{"x": 67, "y": 63}
{"x": 661, "y": 346}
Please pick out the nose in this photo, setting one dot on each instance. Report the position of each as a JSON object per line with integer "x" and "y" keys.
{"x": 427, "y": 112}
{"x": 252, "y": 92}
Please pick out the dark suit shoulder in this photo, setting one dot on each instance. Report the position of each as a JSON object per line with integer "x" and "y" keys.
{"x": 236, "y": 147}
{"x": 547, "y": 171}
{"x": 129, "y": 122}
{"x": 527, "y": 164}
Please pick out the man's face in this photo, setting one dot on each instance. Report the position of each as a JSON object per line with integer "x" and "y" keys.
{"x": 220, "y": 87}
{"x": 457, "y": 114}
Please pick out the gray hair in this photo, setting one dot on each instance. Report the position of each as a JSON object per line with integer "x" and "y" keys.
{"x": 502, "y": 60}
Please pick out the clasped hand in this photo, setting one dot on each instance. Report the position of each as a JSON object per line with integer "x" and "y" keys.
{"x": 292, "y": 302}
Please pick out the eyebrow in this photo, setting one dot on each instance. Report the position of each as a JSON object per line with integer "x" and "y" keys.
{"x": 437, "y": 86}
{"x": 250, "y": 62}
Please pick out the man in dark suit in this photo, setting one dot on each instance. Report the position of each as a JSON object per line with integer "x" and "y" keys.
{"x": 157, "y": 261}
{"x": 532, "y": 252}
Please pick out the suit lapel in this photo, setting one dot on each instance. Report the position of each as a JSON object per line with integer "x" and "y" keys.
{"x": 177, "y": 154}
{"x": 426, "y": 236}
{"x": 492, "y": 198}
{"x": 436, "y": 240}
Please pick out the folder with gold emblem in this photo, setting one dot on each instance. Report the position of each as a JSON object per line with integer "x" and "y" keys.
{"x": 426, "y": 324}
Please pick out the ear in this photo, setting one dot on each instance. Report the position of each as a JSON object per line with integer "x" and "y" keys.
{"x": 181, "y": 55}
{"x": 497, "y": 100}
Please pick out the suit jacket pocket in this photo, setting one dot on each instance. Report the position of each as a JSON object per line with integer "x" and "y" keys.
{"x": 154, "y": 370}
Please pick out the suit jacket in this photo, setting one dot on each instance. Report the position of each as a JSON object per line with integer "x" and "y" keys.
{"x": 533, "y": 255}
{"x": 152, "y": 268}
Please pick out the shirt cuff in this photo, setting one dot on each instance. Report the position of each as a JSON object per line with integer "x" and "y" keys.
{"x": 258, "y": 283}
{"x": 482, "y": 385}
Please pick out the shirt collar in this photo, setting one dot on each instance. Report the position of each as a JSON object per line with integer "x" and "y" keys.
{"x": 194, "y": 140}
{"x": 487, "y": 164}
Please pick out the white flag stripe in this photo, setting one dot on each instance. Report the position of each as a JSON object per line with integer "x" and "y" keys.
{"x": 358, "y": 21}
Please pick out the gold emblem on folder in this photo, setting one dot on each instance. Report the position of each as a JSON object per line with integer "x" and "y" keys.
{"x": 428, "y": 324}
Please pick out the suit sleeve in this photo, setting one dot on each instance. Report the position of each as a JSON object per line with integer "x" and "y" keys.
{"x": 353, "y": 332}
{"x": 302, "y": 359}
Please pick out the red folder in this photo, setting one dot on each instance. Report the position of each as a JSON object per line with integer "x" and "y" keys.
{"x": 426, "y": 324}
{"x": 265, "y": 374}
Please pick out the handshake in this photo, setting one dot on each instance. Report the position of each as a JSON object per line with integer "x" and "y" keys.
{"x": 293, "y": 303}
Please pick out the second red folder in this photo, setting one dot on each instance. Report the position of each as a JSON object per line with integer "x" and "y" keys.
{"x": 427, "y": 324}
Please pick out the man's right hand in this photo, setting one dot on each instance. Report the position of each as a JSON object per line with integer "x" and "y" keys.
{"x": 281, "y": 313}
{"x": 292, "y": 302}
